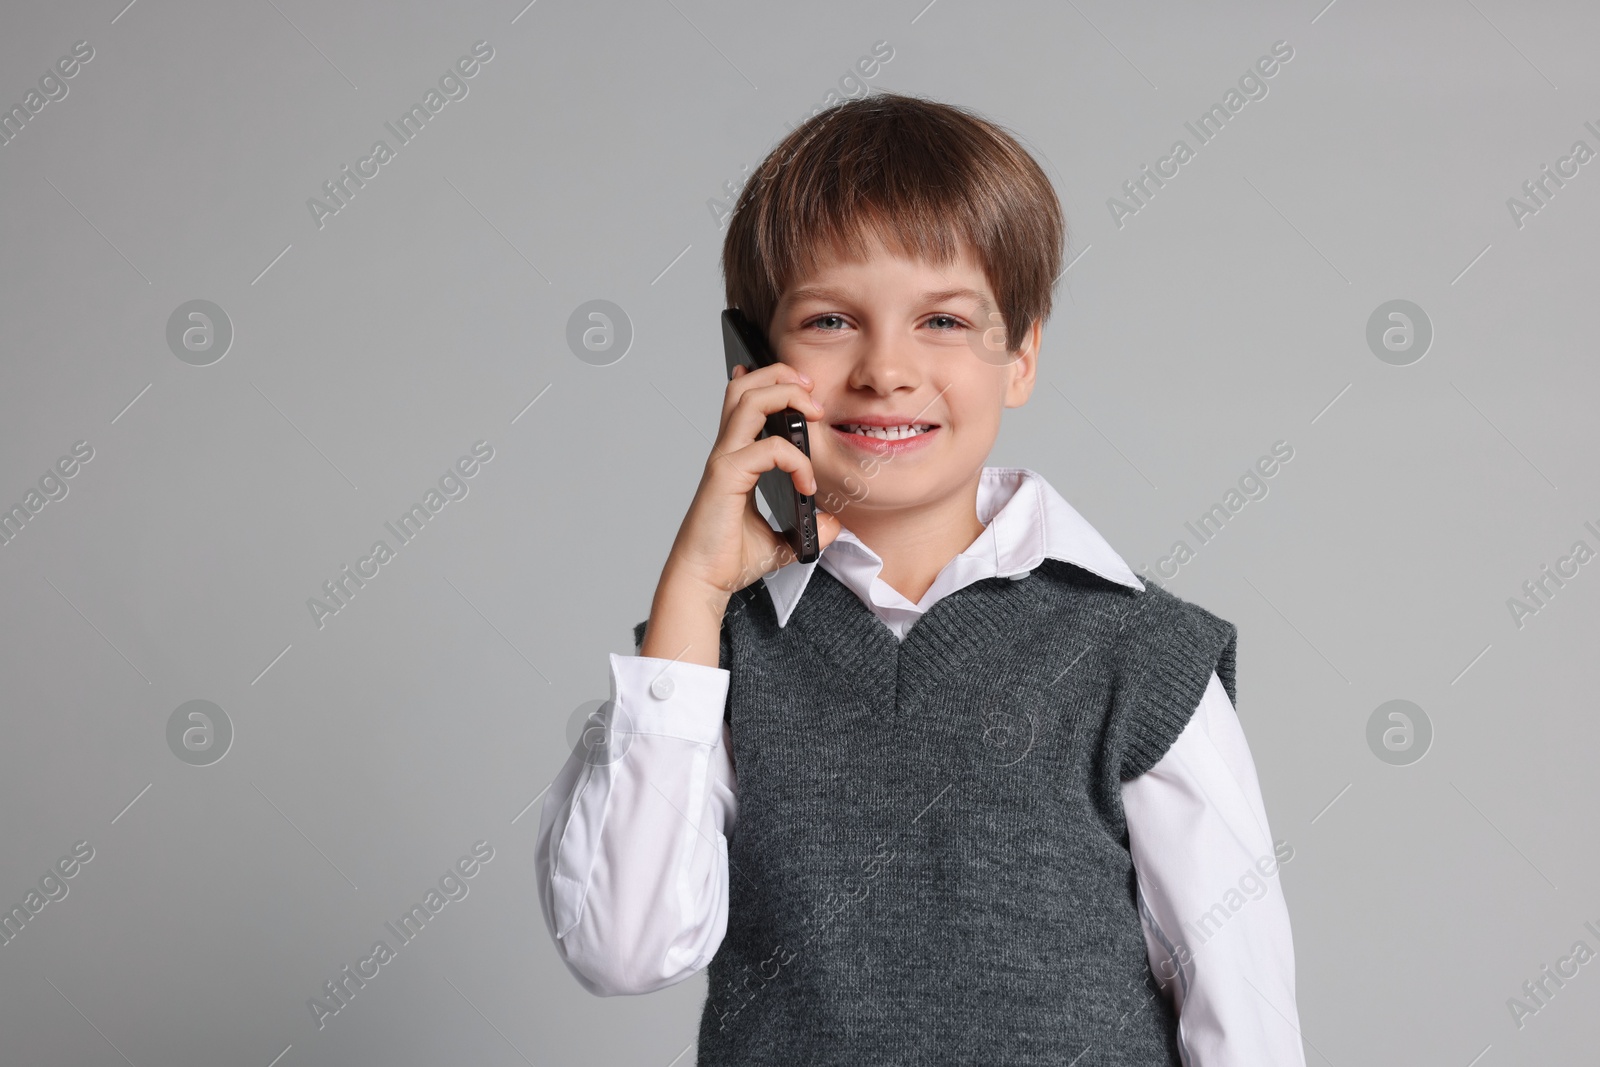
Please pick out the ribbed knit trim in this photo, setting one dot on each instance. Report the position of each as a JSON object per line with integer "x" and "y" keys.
{"x": 949, "y": 636}
{"x": 1192, "y": 644}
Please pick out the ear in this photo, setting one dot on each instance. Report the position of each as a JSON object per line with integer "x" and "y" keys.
{"x": 1024, "y": 367}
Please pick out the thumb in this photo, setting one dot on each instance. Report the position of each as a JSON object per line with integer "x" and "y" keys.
{"x": 828, "y": 527}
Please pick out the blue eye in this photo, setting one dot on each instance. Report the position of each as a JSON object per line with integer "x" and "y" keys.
{"x": 954, "y": 323}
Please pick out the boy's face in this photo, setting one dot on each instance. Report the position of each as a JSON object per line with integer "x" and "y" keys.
{"x": 901, "y": 341}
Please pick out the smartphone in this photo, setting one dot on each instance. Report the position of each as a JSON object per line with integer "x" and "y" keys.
{"x": 795, "y": 512}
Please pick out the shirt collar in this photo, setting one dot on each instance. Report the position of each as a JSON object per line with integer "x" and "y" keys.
{"x": 1025, "y": 520}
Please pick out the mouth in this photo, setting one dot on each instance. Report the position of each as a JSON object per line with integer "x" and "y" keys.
{"x": 882, "y": 439}
{"x": 897, "y": 432}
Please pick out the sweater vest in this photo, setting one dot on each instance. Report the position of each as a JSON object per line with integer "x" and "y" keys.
{"x": 930, "y": 862}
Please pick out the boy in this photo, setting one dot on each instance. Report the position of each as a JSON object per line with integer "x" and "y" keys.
{"x": 973, "y": 785}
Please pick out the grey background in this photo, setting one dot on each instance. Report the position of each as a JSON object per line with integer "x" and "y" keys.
{"x": 370, "y": 354}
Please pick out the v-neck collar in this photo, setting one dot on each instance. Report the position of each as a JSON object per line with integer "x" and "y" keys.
{"x": 1025, "y": 520}
{"x": 894, "y": 674}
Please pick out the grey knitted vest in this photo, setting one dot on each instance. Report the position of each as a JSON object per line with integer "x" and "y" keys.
{"x": 930, "y": 862}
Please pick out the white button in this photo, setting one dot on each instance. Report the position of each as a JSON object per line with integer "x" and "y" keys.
{"x": 1019, "y": 577}
{"x": 661, "y": 688}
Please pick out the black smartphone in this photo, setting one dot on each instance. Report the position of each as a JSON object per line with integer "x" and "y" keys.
{"x": 795, "y": 512}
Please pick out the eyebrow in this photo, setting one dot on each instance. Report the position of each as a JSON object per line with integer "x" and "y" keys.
{"x": 935, "y": 296}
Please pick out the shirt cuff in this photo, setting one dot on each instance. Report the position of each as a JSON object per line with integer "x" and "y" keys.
{"x": 669, "y": 698}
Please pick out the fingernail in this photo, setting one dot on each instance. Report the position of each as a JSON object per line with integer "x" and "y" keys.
{"x": 804, "y": 377}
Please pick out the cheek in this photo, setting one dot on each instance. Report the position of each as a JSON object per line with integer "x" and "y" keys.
{"x": 977, "y": 412}
{"x": 831, "y": 395}
{"x": 968, "y": 397}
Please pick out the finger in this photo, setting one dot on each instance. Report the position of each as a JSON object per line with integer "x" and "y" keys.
{"x": 748, "y": 379}
{"x": 782, "y": 454}
{"x": 753, "y": 460}
{"x": 775, "y": 549}
{"x": 747, "y": 417}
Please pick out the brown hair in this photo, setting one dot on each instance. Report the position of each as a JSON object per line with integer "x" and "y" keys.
{"x": 924, "y": 177}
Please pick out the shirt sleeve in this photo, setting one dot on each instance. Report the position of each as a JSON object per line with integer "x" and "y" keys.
{"x": 1216, "y": 923}
{"x": 631, "y": 860}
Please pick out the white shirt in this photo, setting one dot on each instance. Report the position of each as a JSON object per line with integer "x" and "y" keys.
{"x": 632, "y": 856}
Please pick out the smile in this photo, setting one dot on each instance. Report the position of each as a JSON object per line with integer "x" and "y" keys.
{"x": 885, "y": 433}
{"x": 885, "y": 440}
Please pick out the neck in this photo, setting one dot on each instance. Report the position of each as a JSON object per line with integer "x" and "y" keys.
{"x": 916, "y": 542}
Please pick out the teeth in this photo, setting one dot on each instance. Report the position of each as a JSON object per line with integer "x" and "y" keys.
{"x": 888, "y": 433}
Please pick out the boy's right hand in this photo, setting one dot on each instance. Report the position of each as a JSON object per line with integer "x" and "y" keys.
{"x": 724, "y": 543}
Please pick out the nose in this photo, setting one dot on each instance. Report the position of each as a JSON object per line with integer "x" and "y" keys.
{"x": 884, "y": 364}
